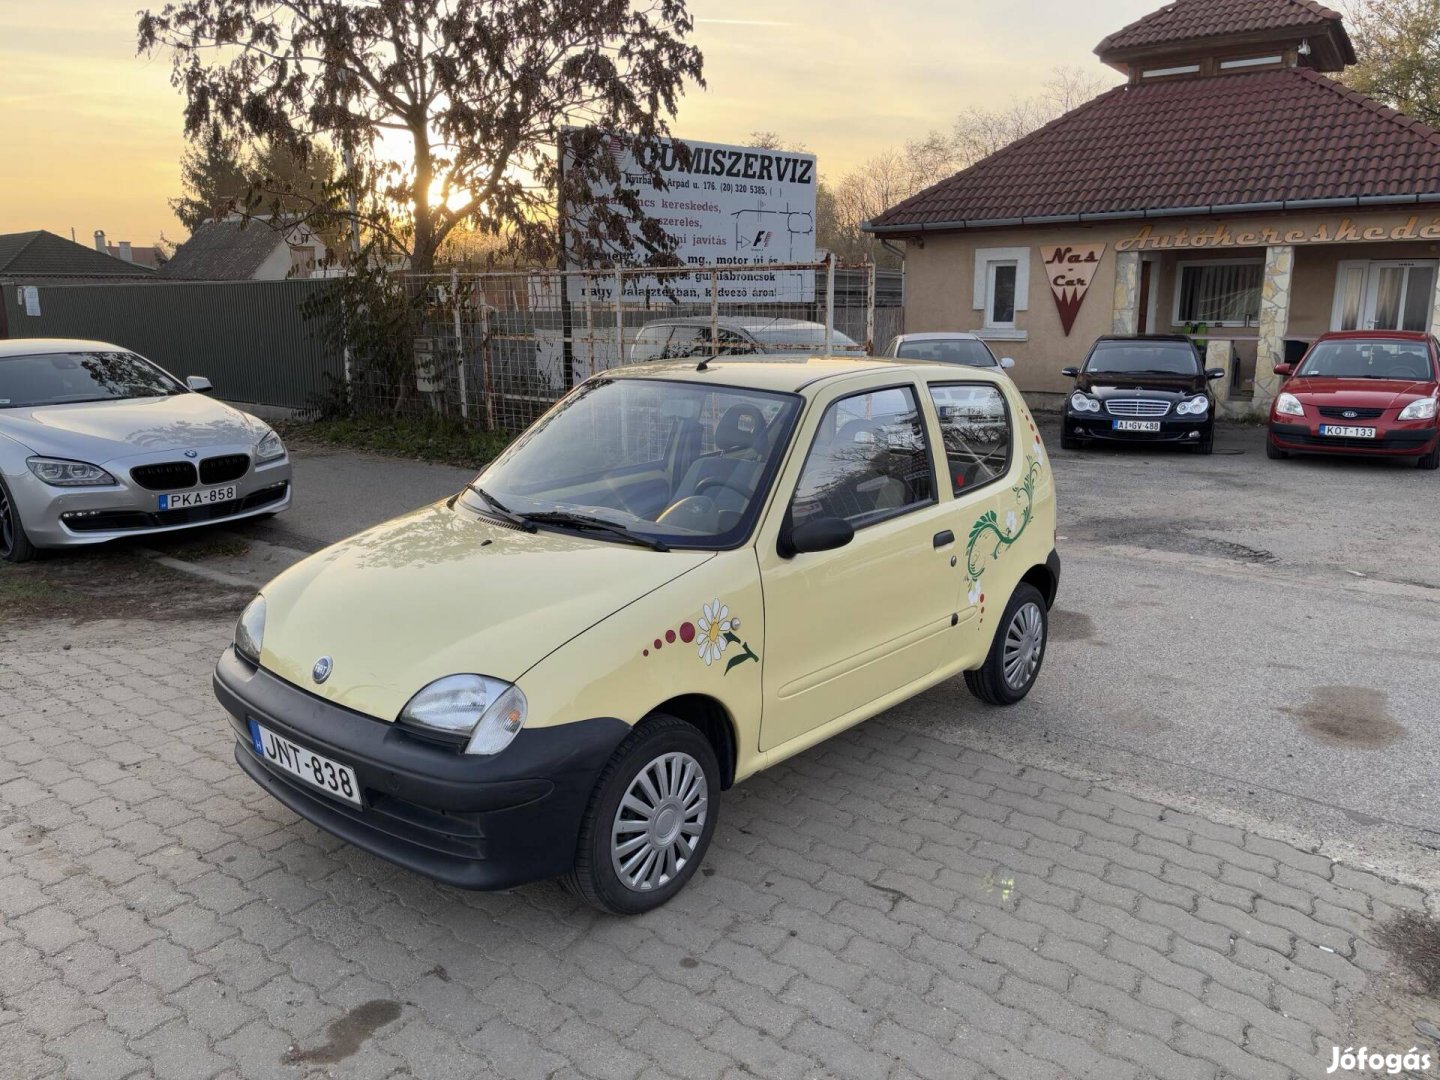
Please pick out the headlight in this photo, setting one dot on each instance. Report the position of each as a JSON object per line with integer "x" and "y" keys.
{"x": 269, "y": 447}
{"x": 61, "y": 473}
{"x": 1423, "y": 409}
{"x": 482, "y": 713}
{"x": 250, "y": 630}
{"x": 1194, "y": 407}
{"x": 1080, "y": 403}
{"x": 1289, "y": 405}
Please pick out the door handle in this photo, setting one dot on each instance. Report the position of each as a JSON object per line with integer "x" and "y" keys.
{"x": 942, "y": 538}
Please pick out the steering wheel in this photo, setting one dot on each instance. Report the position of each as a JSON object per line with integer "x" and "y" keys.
{"x": 720, "y": 481}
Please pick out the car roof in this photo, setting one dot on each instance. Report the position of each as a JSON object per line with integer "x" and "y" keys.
{"x": 1143, "y": 337}
{"x": 1394, "y": 335}
{"x": 734, "y": 322}
{"x": 940, "y": 335}
{"x": 32, "y": 346}
{"x": 787, "y": 373}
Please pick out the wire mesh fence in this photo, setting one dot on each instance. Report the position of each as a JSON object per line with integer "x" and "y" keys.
{"x": 498, "y": 349}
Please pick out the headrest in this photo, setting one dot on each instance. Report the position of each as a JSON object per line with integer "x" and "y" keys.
{"x": 741, "y": 428}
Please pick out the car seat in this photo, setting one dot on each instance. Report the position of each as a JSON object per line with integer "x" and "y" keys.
{"x": 735, "y": 469}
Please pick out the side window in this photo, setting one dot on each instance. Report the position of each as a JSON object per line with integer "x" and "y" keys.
{"x": 870, "y": 460}
{"x": 975, "y": 428}
{"x": 650, "y": 343}
{"x": 686, "y": 341}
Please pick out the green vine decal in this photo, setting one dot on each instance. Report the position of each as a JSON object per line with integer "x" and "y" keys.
{"x": 988, "y": 525}
{"x": 748, "y": 654}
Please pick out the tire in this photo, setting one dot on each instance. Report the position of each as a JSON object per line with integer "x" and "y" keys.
{"x": 657, "y": 746}
{"x": 15, "y": 546}
{"x": 988, "y": 682}
{"x": 1206, "y": 445}
{"x": 1273, "y": 452}
{"x": 1068, "y": 441}
{"x": 1430, "y": 460}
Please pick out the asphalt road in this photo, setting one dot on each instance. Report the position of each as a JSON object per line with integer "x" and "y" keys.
{"x": 1256, "y": 640}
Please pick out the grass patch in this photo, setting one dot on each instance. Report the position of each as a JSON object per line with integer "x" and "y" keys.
{"x": 437, "y": 439}
{"x": 25, "y": 597}
{"x": 209, "y": 548}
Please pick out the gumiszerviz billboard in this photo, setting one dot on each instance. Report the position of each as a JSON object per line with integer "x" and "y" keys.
{"x": 732, "y": 206}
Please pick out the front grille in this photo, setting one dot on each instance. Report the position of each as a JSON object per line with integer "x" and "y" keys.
{"x": 1343, "y": 412}
{"x": 221, "y": 470}
{"x": 1136, "y": 407}
{"x": 166, "y": 476}
{"x": 120, "y": 520}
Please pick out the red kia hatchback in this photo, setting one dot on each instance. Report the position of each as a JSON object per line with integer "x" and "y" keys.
{"x": 1361, "y": 392}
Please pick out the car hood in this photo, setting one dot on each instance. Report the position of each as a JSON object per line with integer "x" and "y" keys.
{"x": 446, "y": 591}
{"x": 1360, "y": 393}
{"x": 101, "y": 431}
{"x": 1113, "y": 384}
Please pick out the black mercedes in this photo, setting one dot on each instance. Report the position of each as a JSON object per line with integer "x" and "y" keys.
{"x": 1148, "y": 388}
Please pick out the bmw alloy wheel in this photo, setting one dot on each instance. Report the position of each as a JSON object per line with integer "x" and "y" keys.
{"x": 1024, "y": 640}
{"x": 659, "y": 822}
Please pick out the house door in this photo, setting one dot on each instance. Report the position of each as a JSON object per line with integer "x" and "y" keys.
{"x": 1398, "y": 296}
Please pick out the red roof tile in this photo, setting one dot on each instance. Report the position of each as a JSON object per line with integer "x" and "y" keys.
{"x": 1190, "y": 20}
{"x": 1223, "y": 141}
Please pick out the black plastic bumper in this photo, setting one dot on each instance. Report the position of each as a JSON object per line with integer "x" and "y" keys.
{"x": 1100, "y": 426}
{"x": 1401, "y": 443}
{"x": 469, "y": 821}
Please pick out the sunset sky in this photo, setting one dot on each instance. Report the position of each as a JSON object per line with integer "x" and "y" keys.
{"x": 91, "y": 133}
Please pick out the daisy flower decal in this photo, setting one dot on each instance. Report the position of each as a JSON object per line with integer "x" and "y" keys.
{"x": 717, "y": 633}
{"x": 976, "y": 591}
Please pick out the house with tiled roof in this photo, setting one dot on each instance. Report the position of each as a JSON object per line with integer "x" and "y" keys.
{"x": 1231, "y": 188}
{"x": 247, "y": 248}
{"x": 40, "y": 257}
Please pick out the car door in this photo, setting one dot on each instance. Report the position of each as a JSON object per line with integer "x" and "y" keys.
{"x": 846, "y": 627}
{"x": 994, "y": 478}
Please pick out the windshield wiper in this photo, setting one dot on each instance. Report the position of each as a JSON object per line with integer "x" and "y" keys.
{"x": 599, "y": 524}
{"x": 497, "y": 508}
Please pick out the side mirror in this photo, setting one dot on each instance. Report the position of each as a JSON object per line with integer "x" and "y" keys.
{"x": 1071, "y": 372}
{"x": 199, "y": 384}
{"x": 817, "y": 534}
{"x": 1007, "y": 362}
{"x": 1284, "y": 370}
{"x": 1215, "y": 373}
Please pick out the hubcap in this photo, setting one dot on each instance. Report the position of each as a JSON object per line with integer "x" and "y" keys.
{"x": 659, "y": 822}
{"x": 1024, "y": 640}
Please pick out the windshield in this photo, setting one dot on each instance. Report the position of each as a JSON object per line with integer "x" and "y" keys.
{"x": 809, "y": 338}
{"x": 1143, "y": 358}
{"x": 1360, "y": 359}
{"x": 69, "y": 377}
{"x": 967, "y": 351}
{"x": 686, "y": 464}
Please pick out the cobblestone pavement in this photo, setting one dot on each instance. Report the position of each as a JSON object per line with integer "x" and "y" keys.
{"x": 885, "y": 906}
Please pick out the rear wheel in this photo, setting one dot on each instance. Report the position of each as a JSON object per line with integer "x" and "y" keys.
{"x": 1017, "y": 652}
{"x": 1432, "y": 459}
{"x": 15, "y": 546}
{"x": 1273, "y": 452}
{"x": 650, "y": 818}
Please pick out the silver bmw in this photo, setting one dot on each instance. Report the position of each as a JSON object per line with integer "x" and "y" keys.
{"x": 97, "y": 443}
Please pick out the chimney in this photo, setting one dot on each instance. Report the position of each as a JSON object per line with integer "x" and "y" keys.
{"x": 100, "y": 242}
{"x": 125, "y": 252}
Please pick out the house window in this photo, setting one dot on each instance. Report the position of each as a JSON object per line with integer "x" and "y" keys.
{"x": 1219, "y": 293}
{"x": 1001, "y": 286}
{"x": 1250, "y": 62}
{"x": 1166, "y": 72}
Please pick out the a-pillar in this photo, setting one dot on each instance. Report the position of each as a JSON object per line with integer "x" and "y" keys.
{"x": 1126, "y": 318}
{"x": 1274, "y": 321}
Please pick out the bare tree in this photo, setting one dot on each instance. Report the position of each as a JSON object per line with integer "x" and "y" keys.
{"x": 1397, "y": 43}
{"x": 978, "y": 133}
{"x": 449, "y": 111}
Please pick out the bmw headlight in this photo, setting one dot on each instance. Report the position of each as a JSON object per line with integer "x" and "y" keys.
{"x": 1080, "y": 403}
{"x": 269, "y": 447}
{"x": 1197, "y": 406}
{"x": 1289, "y": 405}
{"x": 58, "y": 472}
{"x": 250, "y": 630}
{"x": 481, "y": 713}
{"x": 1424, "y": 409}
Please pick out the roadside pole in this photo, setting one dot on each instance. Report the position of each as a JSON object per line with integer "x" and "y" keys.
{"x": 459, "y": 342}
{"x": 829, "y": 301}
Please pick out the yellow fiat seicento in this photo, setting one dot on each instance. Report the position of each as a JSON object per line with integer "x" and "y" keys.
{"x": 677, "y": 577}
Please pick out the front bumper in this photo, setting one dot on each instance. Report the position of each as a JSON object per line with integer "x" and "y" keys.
{"x": 469, "y": 821}
{"x": 66, "y": 517}
{"x": 1173, "y": 429}
{"x": 1389, "y": 441}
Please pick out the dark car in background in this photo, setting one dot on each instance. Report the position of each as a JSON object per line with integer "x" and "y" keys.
{"x": 1364, "y": 392}
{"x": 1148, "y": 388}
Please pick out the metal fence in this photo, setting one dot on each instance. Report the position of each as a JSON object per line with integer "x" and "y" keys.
{"x": 500, "y": 348}
{"x": 255, "y": 340}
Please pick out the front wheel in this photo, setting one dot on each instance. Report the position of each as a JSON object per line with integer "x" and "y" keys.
{"x": 650, "y": 818}
{"x": 1013, "y": 664}
{"x": 1273, "y": 452}
{"x": 1432, "y": 459}
{"x": 1068, "y": 441}
{"x": 1206, "y": 445}
{"x": 15, "y": 546}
